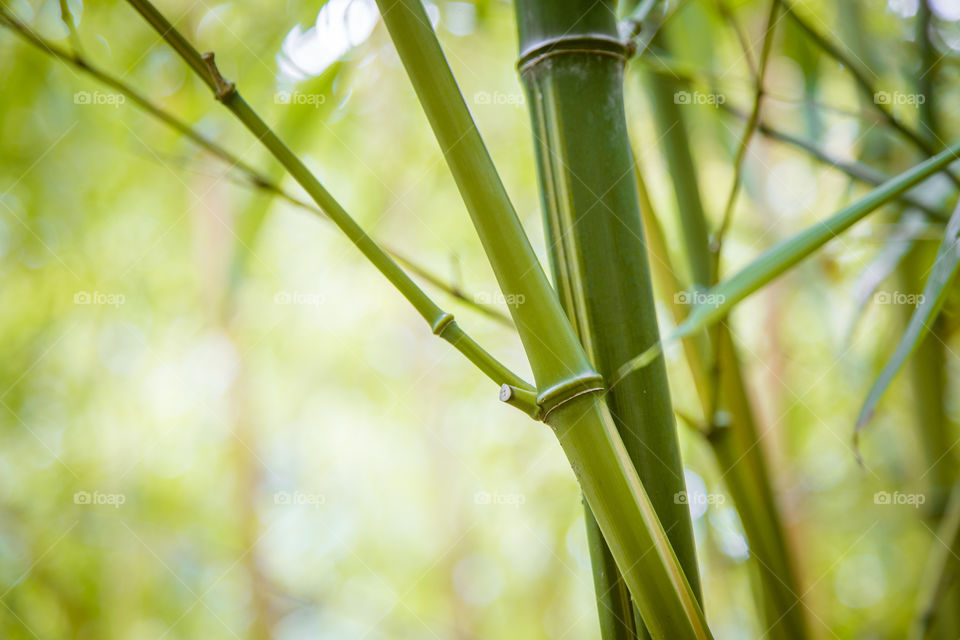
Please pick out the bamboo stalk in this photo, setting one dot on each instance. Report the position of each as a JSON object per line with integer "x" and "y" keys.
{"x": 571, "y": 64}
{"x": 572, "y": 405}
{"x": 570, "y": 390}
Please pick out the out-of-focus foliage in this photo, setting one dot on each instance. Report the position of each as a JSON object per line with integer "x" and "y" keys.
{"x": 217, "y": 421}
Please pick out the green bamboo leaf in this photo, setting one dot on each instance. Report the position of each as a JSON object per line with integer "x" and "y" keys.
{"x": 897, "y": 246}
{"x": 935, "y": 291}
{"x": 715, "y": 303}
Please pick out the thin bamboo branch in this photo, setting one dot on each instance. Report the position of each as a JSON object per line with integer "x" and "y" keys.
{"x": 749, "y": 130}
{"x": 441, "y": 322}
{"x": 790, "y": 251}
{"x": 727, "y": 14}
{"x": 857, "y": 170}
{"x": 252, "y": 177}
{"x": 922, "y": 143}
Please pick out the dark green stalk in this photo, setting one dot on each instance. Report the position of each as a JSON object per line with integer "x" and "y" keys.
{"x": 734, "y": 442}
{"x": 929, "y": 66}
{"x": 674, "y": 143}
{"x": 928, "y": 375}
{"x": 571, "y": 64}
{"x": 441, "y": 322}
{"x": 928, "y": 362}
{"x": 940, "y": 576}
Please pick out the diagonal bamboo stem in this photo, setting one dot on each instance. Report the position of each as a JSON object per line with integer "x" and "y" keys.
{"x": 441, "y": 322}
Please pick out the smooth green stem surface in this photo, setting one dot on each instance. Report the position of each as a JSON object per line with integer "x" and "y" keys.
{"x": 573, "y": 75}
{"x": 586, "y": 432}
{"x": 570, "y": 390}
{"x": 557, "y": 360}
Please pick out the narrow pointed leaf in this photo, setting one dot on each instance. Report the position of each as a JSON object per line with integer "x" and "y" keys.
{"x": 773, "y": 262}
{"x": 883, "y": 265}
{"x": 935, "y": 291}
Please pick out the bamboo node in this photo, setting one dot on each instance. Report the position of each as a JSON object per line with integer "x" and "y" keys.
{"x": 223, "y": 89}
{"x": 562, "y": 393}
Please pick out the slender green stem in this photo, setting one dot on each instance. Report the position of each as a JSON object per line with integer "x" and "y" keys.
{"x": 555, "y": 355}
{"x": 940, "y": 575}
{"x": 252, "y": 177}
{"x": 441, "y": 322}
{"x": 67, "y": 17}
{"x": 727, "y": 14}
{"x": 748, "y": 131}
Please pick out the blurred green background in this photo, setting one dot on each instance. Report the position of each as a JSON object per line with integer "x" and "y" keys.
{"x": 217, "y": 421}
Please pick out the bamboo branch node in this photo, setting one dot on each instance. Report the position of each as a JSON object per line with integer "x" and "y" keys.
{"x": 562, "y": 393}
{"x": 523, "y": 399}
{"x": 441, "y": 324}
{"x": 595, "y": 44}
{"x": 223, "y": 89}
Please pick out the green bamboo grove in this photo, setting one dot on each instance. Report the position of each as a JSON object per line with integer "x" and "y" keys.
{"x": 645, "y": 275}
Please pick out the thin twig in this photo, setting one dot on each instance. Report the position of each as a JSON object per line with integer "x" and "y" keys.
{"x": 252, "y": 177}
{"x": 857, "y": 170}
{"x": 863, "y": 82}
{"x": 519, "y": 392}
{"x": 751, "y": 128}
{"x": 727, "y": 14}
